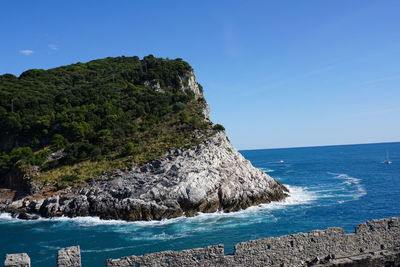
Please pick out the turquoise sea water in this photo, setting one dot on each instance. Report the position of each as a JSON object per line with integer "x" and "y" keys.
{"x": 330, "y": 186}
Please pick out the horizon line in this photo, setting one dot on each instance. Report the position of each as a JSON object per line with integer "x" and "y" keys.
{"x": 293, "y": 147}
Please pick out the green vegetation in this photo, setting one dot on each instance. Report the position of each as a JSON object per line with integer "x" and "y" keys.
{"x": 218, "y": 127}
{"x": 100, "y": 115}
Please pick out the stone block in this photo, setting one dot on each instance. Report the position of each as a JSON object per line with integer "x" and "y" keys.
{"x": 17, "y": 260}
{"x": 69, "y": 257}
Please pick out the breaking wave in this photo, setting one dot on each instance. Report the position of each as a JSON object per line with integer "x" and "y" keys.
{"x": 6, "y": 216}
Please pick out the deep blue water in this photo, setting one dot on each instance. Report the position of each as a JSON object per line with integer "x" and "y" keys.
{"x": 331, "y": 186}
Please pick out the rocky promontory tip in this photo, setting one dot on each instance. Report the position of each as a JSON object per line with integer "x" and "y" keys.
{"x": 177, "y": 163}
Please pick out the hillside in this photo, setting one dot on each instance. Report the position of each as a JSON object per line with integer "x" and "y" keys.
{"x": 76, "y": 121}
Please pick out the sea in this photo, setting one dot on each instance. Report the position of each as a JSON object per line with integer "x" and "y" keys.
{"x": 329, "y": 186}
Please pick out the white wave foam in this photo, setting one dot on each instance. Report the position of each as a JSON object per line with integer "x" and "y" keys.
{"x": 267, "y": 170}
{"x": 90, "y": 220}
{"x": 87, "y": 221}
{"x": 106, "y": 249}
{"x": 297, "y": 196}
{"x": 163, "y": 236}
{"x": 5, "y": 216}
{"x": 82, "y": 221}
{"x": 352, "y": 184}
{"x": 94, "y": 220}
{"x": 51, "y": 247}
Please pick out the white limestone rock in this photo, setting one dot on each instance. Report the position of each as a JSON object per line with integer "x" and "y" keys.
{"x": 209, "y": 177}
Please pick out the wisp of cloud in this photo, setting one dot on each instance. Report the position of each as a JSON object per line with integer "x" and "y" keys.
{"x": 26, "y": 52}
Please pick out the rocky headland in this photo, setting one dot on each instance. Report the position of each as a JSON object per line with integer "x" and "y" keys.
{"x": 208, "y": 175}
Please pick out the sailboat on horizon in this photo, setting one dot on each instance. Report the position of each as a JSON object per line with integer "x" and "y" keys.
{"x": 387, "y": 161}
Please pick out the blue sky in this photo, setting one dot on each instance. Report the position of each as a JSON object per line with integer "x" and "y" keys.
{"x": 276, "y": 73}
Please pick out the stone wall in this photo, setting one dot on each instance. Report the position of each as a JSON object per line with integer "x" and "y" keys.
{"x": 192, "y": 257}
{"x": 376, "y": 239}
{"x": 307, "y": 248}
{"x": 374, "y": 243}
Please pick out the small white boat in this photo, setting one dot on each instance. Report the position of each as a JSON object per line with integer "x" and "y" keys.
{"x": 387, "y": 161}
{"x": 281, "y": 161}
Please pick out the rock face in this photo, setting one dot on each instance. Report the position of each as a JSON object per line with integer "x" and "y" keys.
{"x": 19, "y": 180}
{"x": 189, "y": 83}
{"x": 210, "y": 177}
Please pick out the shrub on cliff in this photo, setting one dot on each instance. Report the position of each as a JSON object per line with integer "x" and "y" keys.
{"x": 218, "y": 127}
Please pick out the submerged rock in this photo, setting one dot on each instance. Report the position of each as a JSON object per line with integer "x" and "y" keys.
{"x": 212, "y": 176}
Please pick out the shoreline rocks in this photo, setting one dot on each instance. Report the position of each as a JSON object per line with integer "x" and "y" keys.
{"x": 212, "y": 176}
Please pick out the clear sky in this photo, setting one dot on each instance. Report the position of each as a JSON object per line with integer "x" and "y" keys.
{"x": 276, "y": 73}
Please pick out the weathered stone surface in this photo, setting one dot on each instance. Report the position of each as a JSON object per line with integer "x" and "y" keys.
{"x": 189, "y": 83}
{"x": 375, "y": 243}
{"x": 373, "y": 259}
{"x": 210, "y": 177}
{"x": 192, "y": 257}
{"x": 69, "y": 257}
{"x": 17, "y": 260}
